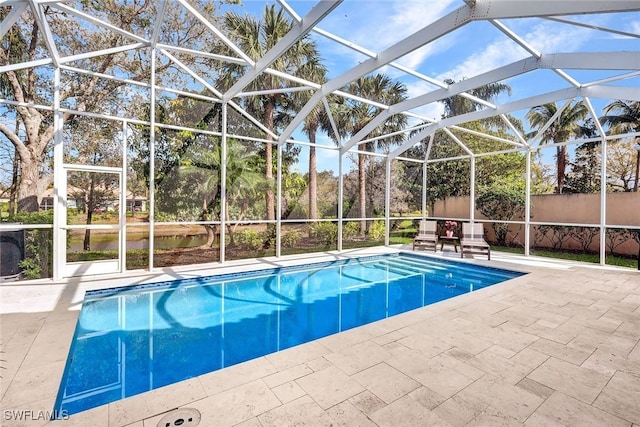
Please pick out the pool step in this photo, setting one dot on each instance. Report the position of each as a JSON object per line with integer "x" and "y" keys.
{"x": 468, "y": 270}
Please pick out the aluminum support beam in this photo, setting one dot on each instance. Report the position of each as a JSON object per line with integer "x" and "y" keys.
{"x": 102, "y": 23}
{"x": 593, "y": 27}
{"x": 42, "y": 23}
{"x": 158, "y": 23}
{"x": 215, "y": 31}
{"x": 223, "y": 183}
{"x": 152, "y": 156}
{"x": 603, "y": 181}
{"x": 504, "y": 108}
{"x": 527, "y": 205}
{"x": 11, "y": 18}
{"x": 594, "y": 61}
{"x": 387, "y": 200}
{"x": 59, "y": 185}
{"x": 630, "y": 93}
{"x": 497, "y": 9}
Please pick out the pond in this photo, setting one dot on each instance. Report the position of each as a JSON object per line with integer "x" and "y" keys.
{"x": 110, "y": 242}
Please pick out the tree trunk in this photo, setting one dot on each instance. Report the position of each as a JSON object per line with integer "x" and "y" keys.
{"x": 15, "y": 184}
{"x": 210, "y": 229}
{"x": 561, "y": 154}
{"x": 91, "y": 205}
{"x": 211, "y": 236}
{"x": 362, "y": 194}
{"x": 133, "y": 205}
{"x": 227, "y": 218}
{"x": 28, "y": 199}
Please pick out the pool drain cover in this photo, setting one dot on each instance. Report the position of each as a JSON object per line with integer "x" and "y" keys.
{"x": 188, "y": 417}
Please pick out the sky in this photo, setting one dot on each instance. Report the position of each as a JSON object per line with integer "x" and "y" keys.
{"x": 471, "y": 50}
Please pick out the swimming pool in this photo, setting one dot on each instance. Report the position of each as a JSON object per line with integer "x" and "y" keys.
{"x": 135, "y": 339}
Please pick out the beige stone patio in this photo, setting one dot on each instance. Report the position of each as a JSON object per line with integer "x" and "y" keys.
{"x": 559, "y": 346}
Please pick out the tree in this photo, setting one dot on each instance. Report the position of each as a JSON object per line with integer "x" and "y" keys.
{"x": 457, "y": 172}
{"x": 502, "y": 201}
{"x": 93, "y": 142}
{"x": 625, "y": 119}
{"x": 621, "y": 162}
{"x": 316, "y": 120}
{"x": 312, "y": 123}
{"x": 584, "y": 176}
{"x": 563, "y": 127}
{"x": 458, "y": 104}
{"x": 85, "y": 92}
{"x": 255, "y": 38}
{"x": 241, "y": 183}
{"x": 356, "y": 114}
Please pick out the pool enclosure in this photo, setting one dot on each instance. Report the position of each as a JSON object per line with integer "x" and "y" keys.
{"x": 143, "y": 134}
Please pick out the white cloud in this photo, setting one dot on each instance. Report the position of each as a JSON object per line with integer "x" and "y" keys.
{"x": 431, "y": 111}
{"x": 552, "y": 37}
{"x": 545, "y": 38}
{"x": 634, "y": 27}
{"x": 499, "y": 53}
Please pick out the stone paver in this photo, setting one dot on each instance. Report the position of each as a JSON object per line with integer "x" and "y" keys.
{"x": 236, "y": 405}
{"x": 560, "y": 409}
{"x": 621, "y": 396}
{"x": 407, "y": 412}
{"x": 385, "y": 382}
{"x": 555, "y": 347}
{"x": 299, "y": 412}
{"x": 508, "y": 399}
{"x": 582, "y": 383}
{"x": 329, "y": 386}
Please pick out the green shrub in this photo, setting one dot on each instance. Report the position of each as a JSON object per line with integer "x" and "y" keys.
{"x": 350, "y": 230}
{"x": 376, "y": 231}
{"x": 38, "y": 245}
{"x": 325, "y": 232}
{"x": 249, "y": 238}
{"x": 269, "y": 236}
{"x": 290, "y": 239}
{"x": 405, "y": 223}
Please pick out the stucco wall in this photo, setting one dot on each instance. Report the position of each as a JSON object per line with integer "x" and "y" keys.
{"x": 622, "y": 209}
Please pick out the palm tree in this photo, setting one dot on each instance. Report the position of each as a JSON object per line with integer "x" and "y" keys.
{"x": 562, "y": 128}
{"x": 457, "y": 104}
{"x": 242, "y": 181}
{"x": 457, "y": 173}
{"x": 354, "y": 115}
{"x": 625, "y": 119}
{"x": 255, "y": 38}
{"x": 316, "y": 72}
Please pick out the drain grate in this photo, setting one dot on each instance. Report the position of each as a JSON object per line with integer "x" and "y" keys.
{"x": 188, "y": 417}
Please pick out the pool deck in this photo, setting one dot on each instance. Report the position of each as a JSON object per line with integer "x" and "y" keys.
{"x": 558, "y": 346}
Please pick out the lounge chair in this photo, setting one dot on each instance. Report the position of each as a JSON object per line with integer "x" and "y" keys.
{"x": 426, "y": 237}
{"x": 473, "y": 242}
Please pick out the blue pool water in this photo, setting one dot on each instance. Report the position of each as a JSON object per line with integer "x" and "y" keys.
{"x": 128, "y": 341}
